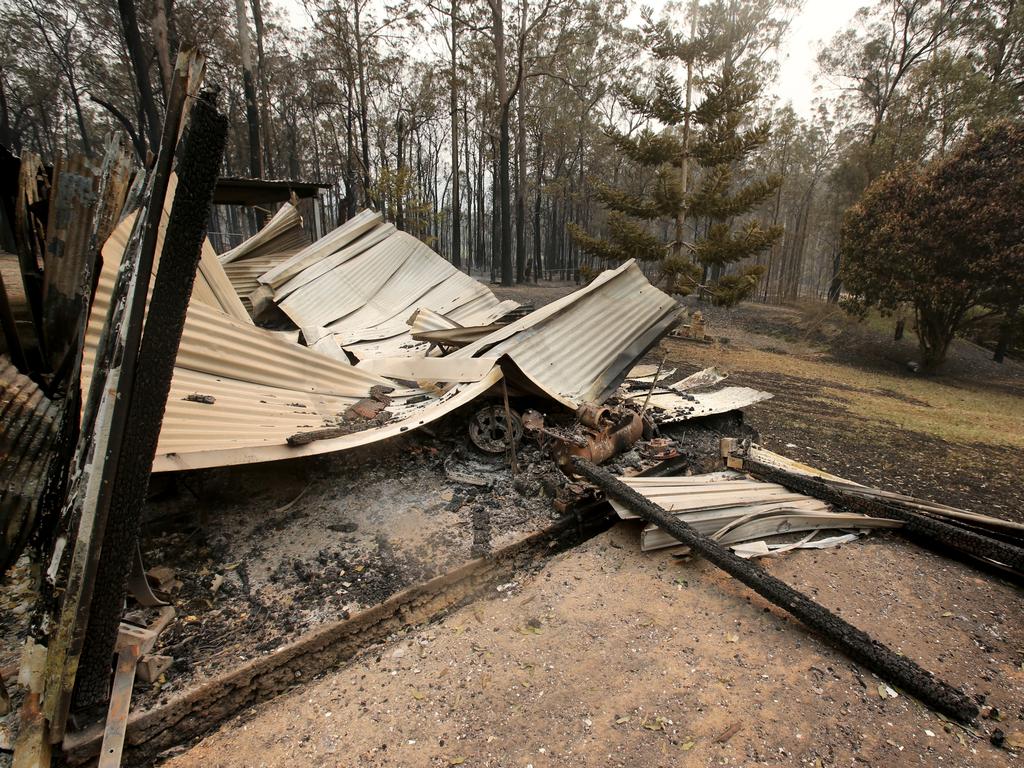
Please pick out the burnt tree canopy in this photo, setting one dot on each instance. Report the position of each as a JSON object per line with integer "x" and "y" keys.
{"x": 946, "y": 239}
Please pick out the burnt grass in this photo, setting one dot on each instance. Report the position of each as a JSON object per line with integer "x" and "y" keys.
{"x": 804, "y": 422}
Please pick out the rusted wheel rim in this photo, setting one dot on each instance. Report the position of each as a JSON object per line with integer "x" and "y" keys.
{"x": 489, "y": 429}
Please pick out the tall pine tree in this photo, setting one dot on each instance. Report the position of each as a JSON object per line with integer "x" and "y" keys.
{"x": 697, "y": 162}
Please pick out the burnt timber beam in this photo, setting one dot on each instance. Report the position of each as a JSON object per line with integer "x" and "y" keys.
{"x": 186, "y": 229}
{"x": 855, "y": 643}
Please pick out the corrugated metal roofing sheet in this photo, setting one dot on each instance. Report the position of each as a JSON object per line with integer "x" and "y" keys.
{"x": 362, "y": 289}
{"x": 733, "y": 509}
{"x": 366, "y": 292}
{"x": 673, "y": 407}
{"x": 580, "y": 348}
{"x": 252, "y": 424}
{"x": 243, "y": 274}
{"x": 213, "y": 287}
{"x": 325, "y": 265}
{"x": 283, "y": 232}
{"x": 350, "y": 285}
{"x": 28, "y": 427}
{"x": 264, "y": 388}
{"x": 330, "y": 243}
{"x": 281, "y": 238}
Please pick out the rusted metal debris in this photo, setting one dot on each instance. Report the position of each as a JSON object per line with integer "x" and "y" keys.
{"x": 492, "y": 428}
{"x": 133, "y": 643}
{"x": 61, "y": 215}
{"x": 369, "y": 408}
{"x": 600, "y": 433}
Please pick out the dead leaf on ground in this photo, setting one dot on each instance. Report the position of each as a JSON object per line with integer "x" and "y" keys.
{"x": 657, "y": 724}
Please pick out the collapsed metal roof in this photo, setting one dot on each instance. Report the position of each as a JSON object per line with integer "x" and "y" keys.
{"x": 280, "y": 238}
{"x": 240, "y": 392}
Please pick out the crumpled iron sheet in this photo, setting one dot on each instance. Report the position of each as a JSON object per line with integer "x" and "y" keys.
{"x": 580, "y": 348}
{"x": 263, "y": 388}
{"x": 732, "y": 508}
{"x": 28, "y": 428}
{"x": 280, "y": 239}
{"x": 366, "y": 292}
{"x": 332, "y": 242}
{"x": 283, "y": 229}
{"x": 212, "y": 286}
{"x": 239, "y": 392}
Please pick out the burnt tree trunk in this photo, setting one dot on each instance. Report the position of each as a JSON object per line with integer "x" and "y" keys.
{"x": 1006, "y": 334}
{"x": 521, "y": 185}
{"x": 456, "y": 198}
{"x": 140, "y": 68}
{"x": 504, "y": 244}
{"x": 252, "y": 114}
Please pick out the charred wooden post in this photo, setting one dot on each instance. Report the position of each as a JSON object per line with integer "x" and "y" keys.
{"x": 113, "y": 186}
{"x": 916, "y": 526}
{"x": 844, "y": 636}
{"x": 103, "y": 425}
{"x": 197, "y": 176}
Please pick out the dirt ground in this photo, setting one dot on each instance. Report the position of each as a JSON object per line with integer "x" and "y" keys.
{"x": 610, "y": 657}
{"x": 607, "y": 656}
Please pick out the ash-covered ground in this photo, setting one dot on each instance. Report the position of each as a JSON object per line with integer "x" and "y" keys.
{"x": 262, "y": 554}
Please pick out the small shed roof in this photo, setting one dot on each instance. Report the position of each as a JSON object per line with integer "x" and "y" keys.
{"x": 231, "y": 191}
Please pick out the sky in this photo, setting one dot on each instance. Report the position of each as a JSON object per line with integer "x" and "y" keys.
{"x": 814, "y": 24}
{"x": 817, "y": 22}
